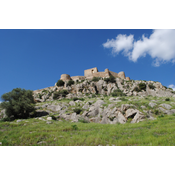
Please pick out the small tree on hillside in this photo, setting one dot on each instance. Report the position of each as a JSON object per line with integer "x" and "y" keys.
{"x": 60, "y": 83}
{"x": 18, "y": 103}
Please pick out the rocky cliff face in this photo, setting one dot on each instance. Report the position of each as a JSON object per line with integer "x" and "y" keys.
{"x": 89, "y": 87}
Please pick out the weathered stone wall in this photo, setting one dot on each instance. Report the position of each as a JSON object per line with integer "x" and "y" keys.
{"x": 65, "y": 77}
{"x": 121, "y": 75}
{"x": 89, "y": 72}
{"x": 114, "y": 74}
{"x": 101, "y": 74}
{"x": 78, "y": 78}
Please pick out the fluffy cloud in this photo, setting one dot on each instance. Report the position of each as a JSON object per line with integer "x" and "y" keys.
{"x": 122, "y": 42}
{"x": 172, "y": 86}
{"x": 160, "y": 46}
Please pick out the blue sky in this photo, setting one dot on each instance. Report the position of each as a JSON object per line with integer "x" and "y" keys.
{"x": 35, "y": 59}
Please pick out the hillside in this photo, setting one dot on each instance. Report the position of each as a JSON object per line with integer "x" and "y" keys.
{"x": 75, "y": 114}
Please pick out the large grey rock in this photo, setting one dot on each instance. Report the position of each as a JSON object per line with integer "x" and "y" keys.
{"x": 86, "y": 106}
{"x": 72, "y": 103}
{"x": 152, "y": 104}
{"x": 98, "y": 103}
{"x": 124, "y": 107}
{"x": 3, "y": 114}
{"x": 138, "y": 117}
{"x": 105, "y": 120}
{"x": 54, "y": 108}
{"x": 49, "y": 118}
{"x": 130, "y": 112}
{"x": 74, "y": 117}
{"x": 120, "y": 118}
{"x": 167, "y": 106}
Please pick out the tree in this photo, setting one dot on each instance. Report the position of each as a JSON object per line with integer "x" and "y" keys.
{"x": 18, "y": 103}
{"x": 60, "y": 83}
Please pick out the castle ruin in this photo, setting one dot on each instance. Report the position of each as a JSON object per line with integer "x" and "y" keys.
{"x": 93, "y": 72}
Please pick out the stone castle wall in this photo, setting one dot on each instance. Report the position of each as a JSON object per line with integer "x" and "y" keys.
{"x": 93, "y": 72}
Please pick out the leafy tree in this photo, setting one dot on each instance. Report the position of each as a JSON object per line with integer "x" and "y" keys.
{"x": 142, "y": 86}
{"x": 61, "y": 93}
{"x": 70, "y": 82}
{"x": 18, "y": 103}
{"x": 60, "y": 83}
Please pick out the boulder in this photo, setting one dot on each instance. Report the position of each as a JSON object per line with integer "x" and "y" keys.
{"x": 54, "y": 108}
{"x": 120, "y": 118}
{"x": 72, "y": 103}
{"x": 167, "y": 106}
{"x": 152, "y": 104}
{"x": 49, "y": 118}
{"x": 130, "y": 112}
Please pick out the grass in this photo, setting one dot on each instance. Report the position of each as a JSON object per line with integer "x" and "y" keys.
{"x": 36, "y": 132}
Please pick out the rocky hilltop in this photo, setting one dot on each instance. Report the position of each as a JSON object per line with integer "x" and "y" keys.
{"x": 105, "y": 100}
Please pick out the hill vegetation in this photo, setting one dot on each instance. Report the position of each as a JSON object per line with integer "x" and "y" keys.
{"x": 91, "y": 112}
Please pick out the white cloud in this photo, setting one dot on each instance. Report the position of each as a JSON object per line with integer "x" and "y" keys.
{"x": 160, "y": 46}
{"x": 122, "y": 42}
{"x": 172, "y": 86}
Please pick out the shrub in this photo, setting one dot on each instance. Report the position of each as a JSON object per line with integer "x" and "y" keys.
{"x": 118, "y": 92}
{"x": 111, "y": 79}
{"x": 70, "y": 82}
{"x": 167, "y": 99}
{"x": 93, "y": 95}
{"x": 156, "y": 112}
{"x": 96, "y": 78}
{"x": 77, "y": 110}
{"x": 151, "y": 86}
{"x": 53, "y": 117}
{"x": 61, "y": 93}
{"x": 136, "y": 89}
{"x": 142, "y": 86}
{"x": 74, "y": 127}
{"x": 60, "y": 83}
{"x": 160, "y": 116}
{"x": 123, "y": 99}
{"x": 19, "y": 103}
{"x": 75, "y": 98}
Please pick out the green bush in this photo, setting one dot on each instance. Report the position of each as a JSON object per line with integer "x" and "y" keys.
{"x": 142, "y": 86}
{"x": 60, "y": 83}
{"x": 77, "y": 110}
{"x": 61, "y": 93}
{"x": 96, "y": 78}
{"x": 167, "y": 99}
{"x": 19, "y": 103}
{"x": 93, "y": 95}
{"x": 151, "y": 86}
{"x": 53, "y": 117}
{"x": 156, "y": 112}
{"x": 74, "y": 127}
{"x": 70, "y": 82}
{"x": 160, "y": 116}
{"x": 123, "y": 99}
{"x": 111, "y": 79}
{"x": 117, "y": 92}
{"x": 136, "y": 89}
{"x": 75, "y": 98}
